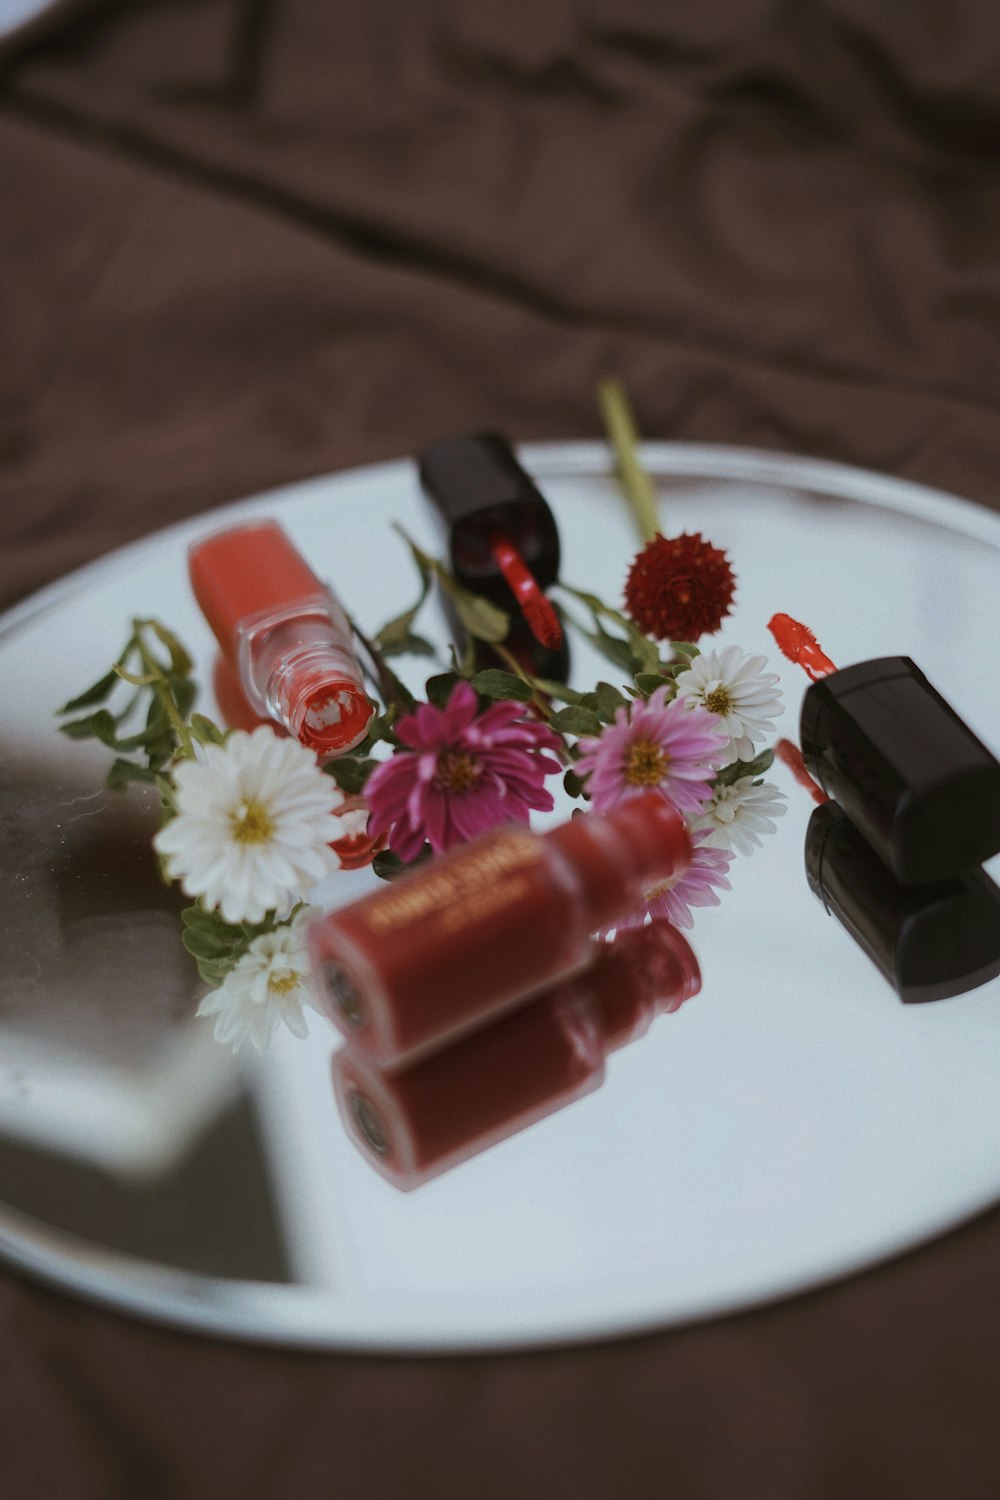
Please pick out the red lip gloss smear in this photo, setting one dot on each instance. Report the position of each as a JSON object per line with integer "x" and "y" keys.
{"x": 449, "y": 946}
{"x": 797, "y": 643}
{"x": 414, "y": 1124}
{"x": 284, "y": 633}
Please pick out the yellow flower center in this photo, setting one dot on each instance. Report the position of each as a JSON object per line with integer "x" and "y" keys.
{"x": 283, "y": 984}
{"x": 645, "y": 764}
{"x": 661, "y": 889}
{"x": 457, "y": 771}
{"x": 252, "y": 823}
{"x": 718, "y": 701}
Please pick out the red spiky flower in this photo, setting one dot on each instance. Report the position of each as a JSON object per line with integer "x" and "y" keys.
{"x": 679, "y": 588}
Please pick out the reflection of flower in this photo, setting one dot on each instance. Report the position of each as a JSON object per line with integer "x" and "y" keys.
{"x": 255, "y": 817}
{"x": 679, "y": 588}
{"x": 734, "y": 686}
{"x": 464, "y": 772}
{"x": 654, "y": 744}
{"x": 737, "y": 815}
{"x": 268, "y": 985}
{"x": 697, "y": 886}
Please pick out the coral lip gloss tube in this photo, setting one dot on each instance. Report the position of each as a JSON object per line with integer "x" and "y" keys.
{"x": 414, "y": 1124}
{"x": 449, "y": 946}
{"x": 284, "y": 633}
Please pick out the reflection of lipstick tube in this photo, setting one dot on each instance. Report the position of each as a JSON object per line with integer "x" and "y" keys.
{"x": 447, "y": 947}
{"x": 502, "y": 541}
{"x": 284, "y": 633}
{"x": 414, "y": 1124}
{"x": 930, "y": 941}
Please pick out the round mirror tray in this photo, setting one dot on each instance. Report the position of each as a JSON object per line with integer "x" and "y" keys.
{"x": 793, "y": 1123}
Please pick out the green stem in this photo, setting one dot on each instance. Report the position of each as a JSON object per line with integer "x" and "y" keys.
{"x": 624, "y": 439}
{"x": 383, "y": 674}
{"x": 162, "y": 690}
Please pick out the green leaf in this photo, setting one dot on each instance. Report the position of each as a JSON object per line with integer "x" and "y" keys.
{"x": 486, "y": 621}
{"x": 204, "y": 731}
{"x": 409, "y": 645}
{"x": 96, "y": 693}
{"x": 350, "y": 772}
{"x": 614, "y": 649}
{"x": 204, "y": 945}
{"x": 648, "y": 682}
{"x": 557, "y": 690}
{"x": 388, "y": 865}
{"x": 493, "y": 683}
{"x": 740, "y": 768}
{"x": 609, "y": 700}
{"x": 214, "y": 971}
{"x": 686, "y": 649}
{"x": 438, "y": 688}
{"x": 576, "y": 720}
{"x": 123, "y": 772}
{"x": 180, "y": 660}
{"x": 481, "y": 618}
{"x": 574, "y": 784}
{"x": 202, "y": 920}
{"x": 392, "y": 638}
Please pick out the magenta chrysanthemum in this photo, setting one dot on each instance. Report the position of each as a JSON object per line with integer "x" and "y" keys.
{"x": 669, "y": 746}
{"x": 464, "y": 772}
{"x": 698, "y": 886}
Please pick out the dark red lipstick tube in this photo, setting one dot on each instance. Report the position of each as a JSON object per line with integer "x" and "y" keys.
{"x": 284, "y": 634}
{"x": 414, "y": 1124}
{"x": 451, "y": 945}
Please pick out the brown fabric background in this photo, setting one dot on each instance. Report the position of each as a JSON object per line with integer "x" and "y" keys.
{"x": 244, "y": 241}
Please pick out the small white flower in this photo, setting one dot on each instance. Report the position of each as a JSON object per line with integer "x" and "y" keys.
{"x": 734, "y": 686}
{"x": 738, "y": 815}
{"x": 254, "y": 823}
{"x": 268, "y": 985}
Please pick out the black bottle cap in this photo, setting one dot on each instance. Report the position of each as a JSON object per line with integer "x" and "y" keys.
{"x": 931, "y": 941}
{"x": 476, "y": 486}
{"x": 911, "y": 776}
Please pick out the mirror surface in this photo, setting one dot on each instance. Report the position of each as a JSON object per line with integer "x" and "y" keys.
{"x": 792, "y": 1123}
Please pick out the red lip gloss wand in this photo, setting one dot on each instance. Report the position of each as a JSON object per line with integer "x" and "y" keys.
{"x": 538, "y": 612}
{"x": 414, "y": 1124}
{"x": 454, "y": 943}
{"x": 284, "y": 633}
{"x": 791, "y": 756}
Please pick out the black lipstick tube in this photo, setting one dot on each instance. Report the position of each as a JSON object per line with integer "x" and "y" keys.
{"x": 911, "y": 776}
{"x": 477, "y": 487}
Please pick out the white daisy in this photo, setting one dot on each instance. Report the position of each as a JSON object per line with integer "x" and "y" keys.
{"x": 738, "y": 815}
{"x": 255, "y": 819}
{"x": 734, "y": 686}
{"x": 268, "y": 985}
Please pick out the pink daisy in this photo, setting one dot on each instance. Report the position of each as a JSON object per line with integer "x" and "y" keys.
{"x": 464, "y": 772}
{"x": 671, "y": 746}
{"x": 698, "y": 886}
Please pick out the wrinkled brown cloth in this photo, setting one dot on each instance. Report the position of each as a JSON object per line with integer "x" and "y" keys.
{"x": 242, "y": 243}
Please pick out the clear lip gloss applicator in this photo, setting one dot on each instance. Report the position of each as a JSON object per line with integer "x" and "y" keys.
{"x": 284, "y": 633}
